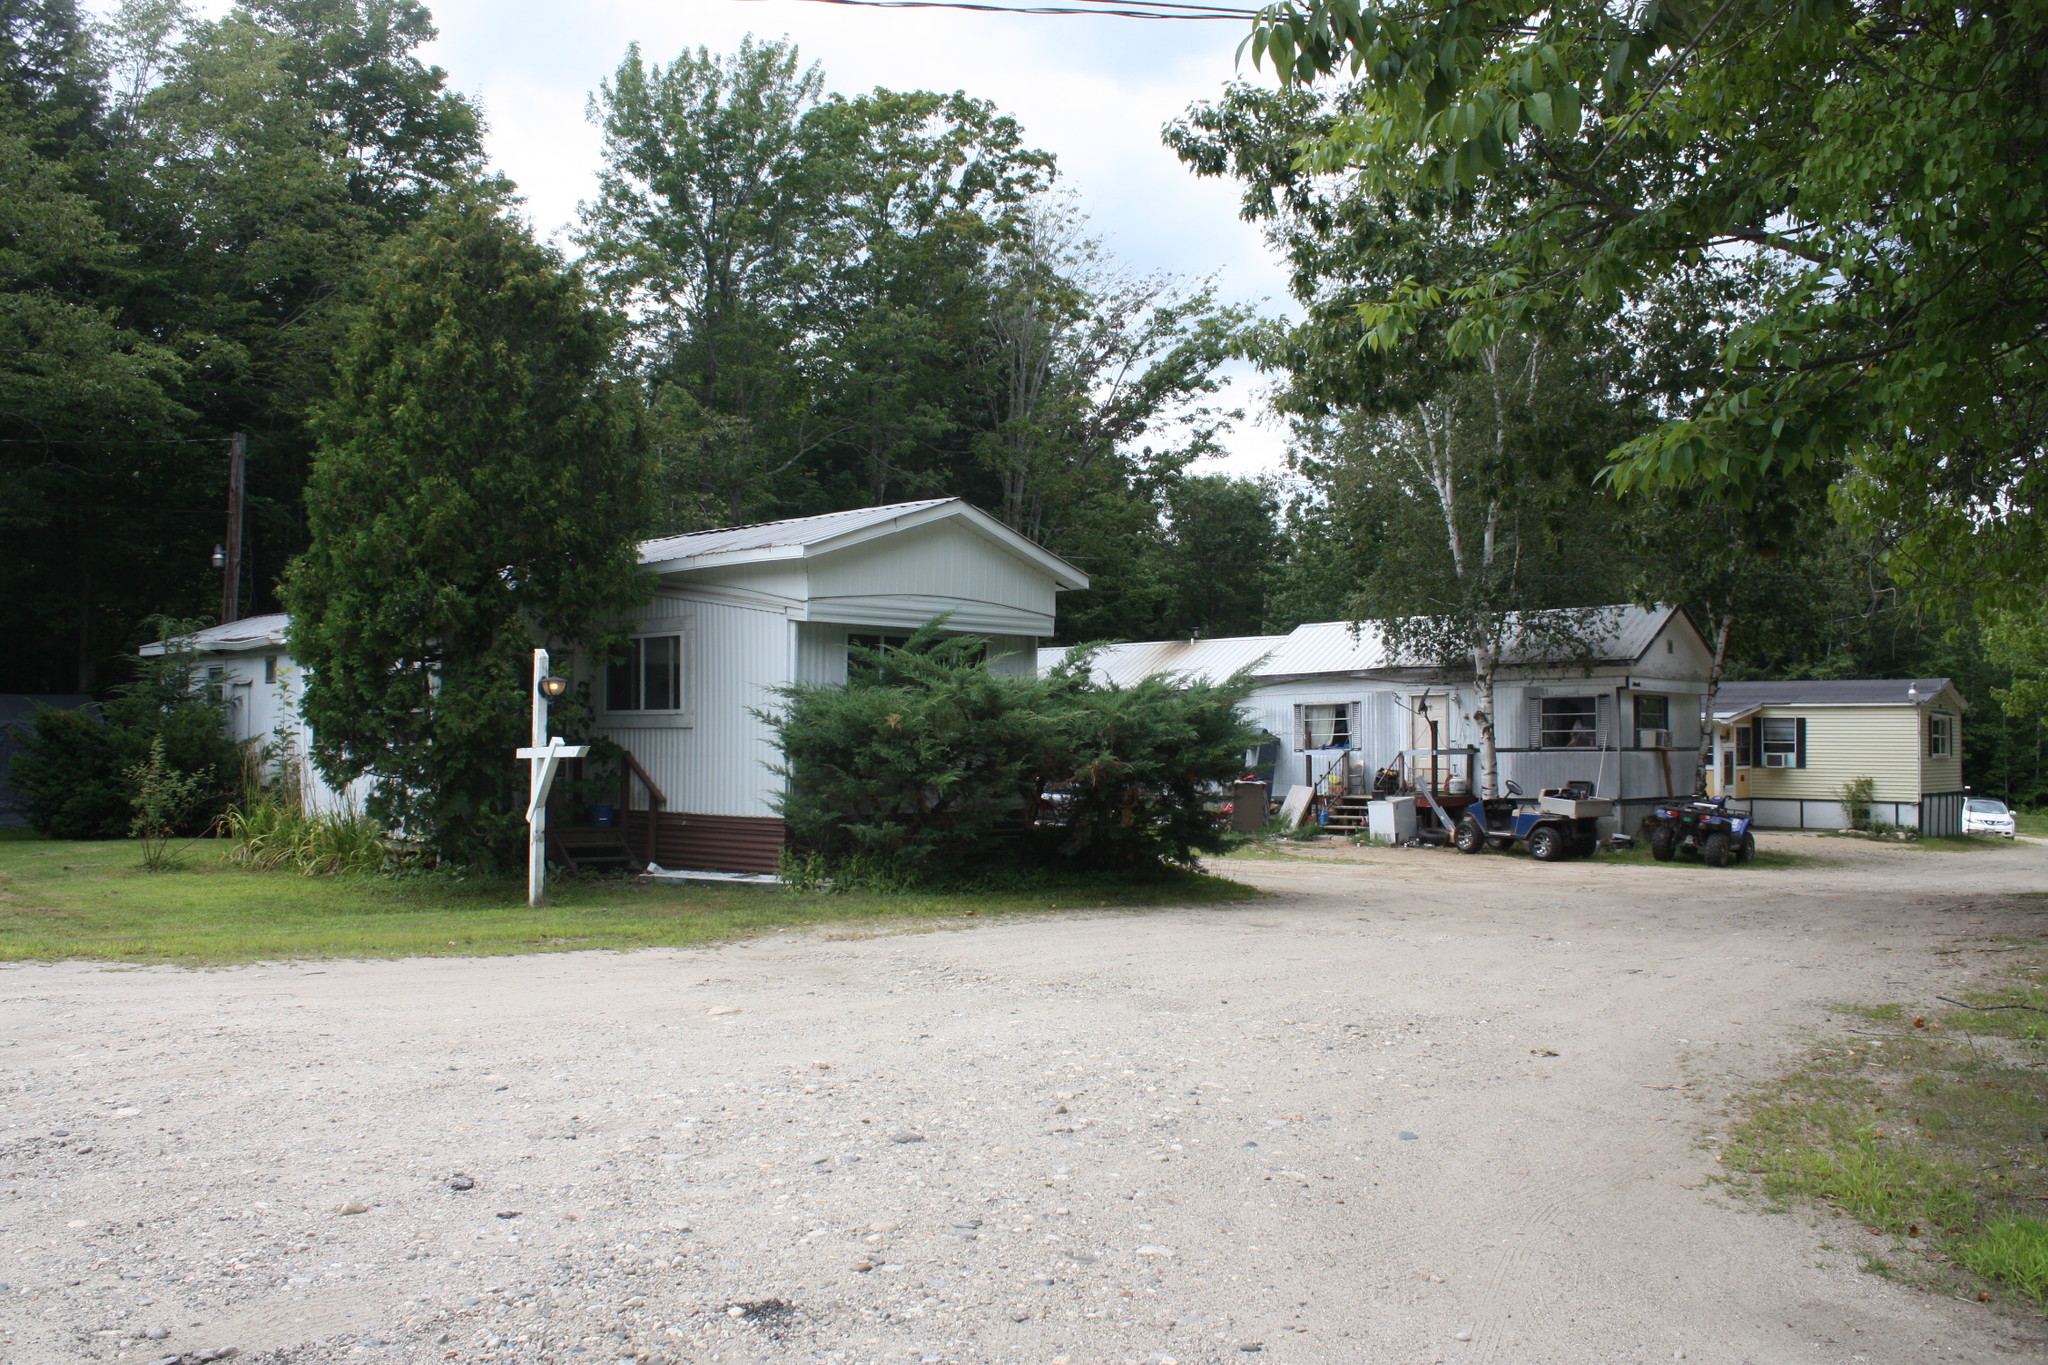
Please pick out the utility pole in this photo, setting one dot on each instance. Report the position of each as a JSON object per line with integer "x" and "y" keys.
{"x": 231, "y": 567}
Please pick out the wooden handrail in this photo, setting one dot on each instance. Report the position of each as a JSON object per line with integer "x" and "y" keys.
{"x": 633, "y": 765}
{"x": 629, "y": 768}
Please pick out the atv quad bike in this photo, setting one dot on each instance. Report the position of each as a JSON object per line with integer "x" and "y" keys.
{"x": 1703, "y": 828}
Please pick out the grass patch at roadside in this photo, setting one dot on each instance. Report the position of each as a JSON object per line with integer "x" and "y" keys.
{"x": 1928, "y": 1126}
{"x": 2034, "y": 822}
{"x": 93, "y": 901}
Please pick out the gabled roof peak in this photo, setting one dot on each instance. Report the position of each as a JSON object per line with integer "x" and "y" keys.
{"x": 801, "y": 537}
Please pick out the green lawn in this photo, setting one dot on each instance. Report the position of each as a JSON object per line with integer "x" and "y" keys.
{"x": 1923, "y": 1122}
{"x": 2034, "y": 822}
{"x": 93, "y": 901}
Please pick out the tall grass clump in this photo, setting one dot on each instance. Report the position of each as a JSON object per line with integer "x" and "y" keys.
{"x": 271, "y": 828}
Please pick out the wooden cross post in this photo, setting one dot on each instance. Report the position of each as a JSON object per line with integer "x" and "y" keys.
{"x": 543, "y": 758}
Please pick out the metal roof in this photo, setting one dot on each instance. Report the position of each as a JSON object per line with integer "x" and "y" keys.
{"x": 769, "y": 535}
{"x": 1201, "y": 660}
{"x": 251, "y": 632}
{"x": 1747, "y": 696}
{"x": 801, "y": 536}
{"x": 1336, "y": 647}
{"x": 1331, "y": 647}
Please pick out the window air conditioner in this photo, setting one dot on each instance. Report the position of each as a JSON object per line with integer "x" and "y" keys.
{"x": 1777, "y": 760}
{"x": 1653, "y": 739}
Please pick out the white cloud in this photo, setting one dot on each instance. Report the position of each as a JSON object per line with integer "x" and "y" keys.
{"x": 1093, "y": 91}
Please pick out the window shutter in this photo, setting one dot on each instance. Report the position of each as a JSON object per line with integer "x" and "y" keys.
{"x": 1604, "y": 722}
{"x": 1300, "y": 728}
{"x": 1799, "y": 742}
{"x": 1535, "y": 709}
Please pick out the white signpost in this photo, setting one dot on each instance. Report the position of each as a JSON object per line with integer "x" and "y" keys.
{"x": 543, "y": 758}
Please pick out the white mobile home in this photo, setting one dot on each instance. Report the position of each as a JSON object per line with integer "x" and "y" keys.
{"x": 247, "y": 663}
{"x": 1340, "y": 704}
{"x": 741, "y": 612}
{"x": 736, "y": 614}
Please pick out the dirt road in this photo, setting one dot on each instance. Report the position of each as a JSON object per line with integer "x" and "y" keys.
{"x": 1413, "y": 1108}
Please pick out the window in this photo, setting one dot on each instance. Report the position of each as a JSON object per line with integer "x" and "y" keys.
{"x": 1569, "y": 723}
{"x": 856, "y": 667}
{"x": 269, "y": 670}
{"x": 649, "y": 677}
{"x": 1652, "y": 713}
{"x": 1783, "y": 740}
{"x": 1941, "y": 736}
{"x": 1745, "y": 746}
{"x": 1326, "y": 726}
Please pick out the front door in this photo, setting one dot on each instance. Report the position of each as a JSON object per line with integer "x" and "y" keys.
{"x": 1423, "y": 709}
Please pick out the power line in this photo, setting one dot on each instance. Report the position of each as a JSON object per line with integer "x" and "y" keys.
{"x": 1125, "y": 9}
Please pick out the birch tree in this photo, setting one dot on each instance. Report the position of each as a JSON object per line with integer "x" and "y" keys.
{"x": 1491, "y": 553}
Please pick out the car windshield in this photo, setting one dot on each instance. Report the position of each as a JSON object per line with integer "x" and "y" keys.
{"x": 1984, "y": 807}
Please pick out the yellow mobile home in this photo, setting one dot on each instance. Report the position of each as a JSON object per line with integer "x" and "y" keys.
{"x": 1788, "y": 748}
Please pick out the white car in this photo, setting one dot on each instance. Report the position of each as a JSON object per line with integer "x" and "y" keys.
{"x": 1984, "y": 815}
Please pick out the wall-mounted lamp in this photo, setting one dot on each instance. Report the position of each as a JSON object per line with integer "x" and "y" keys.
{"x": 554, "y": 688}
{"x": 220, "y": 557}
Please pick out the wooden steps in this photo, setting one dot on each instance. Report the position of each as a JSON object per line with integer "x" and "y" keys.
{"x": 585, "y": 848}
{"x": 1347, "y": 813}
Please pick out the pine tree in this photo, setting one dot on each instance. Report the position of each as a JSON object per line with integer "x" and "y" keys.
{"x": 478, "y": 488}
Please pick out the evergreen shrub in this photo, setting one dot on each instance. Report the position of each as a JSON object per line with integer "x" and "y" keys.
{"x": 927, "y": 766}
{"x": 71, "y": 775}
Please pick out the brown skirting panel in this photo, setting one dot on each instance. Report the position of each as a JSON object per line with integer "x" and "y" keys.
{"x": 711, "y": 843}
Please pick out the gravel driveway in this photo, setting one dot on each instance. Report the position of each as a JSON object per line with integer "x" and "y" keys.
{"x": 1412, "y": 1108}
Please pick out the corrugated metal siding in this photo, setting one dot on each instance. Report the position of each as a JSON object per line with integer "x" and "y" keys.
{"x": 691, "y": 842}
{"x": 715, "y": 759}
{"x": 820, "y": 653}
{"x": 944, "y": 561}
{"x": 1013, "y": 656}
{"x": 1844, "y": 743}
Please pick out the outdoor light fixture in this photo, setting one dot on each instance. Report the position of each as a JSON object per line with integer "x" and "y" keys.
{"x": 220, "y": 557}
{"x": 554, "y": 688}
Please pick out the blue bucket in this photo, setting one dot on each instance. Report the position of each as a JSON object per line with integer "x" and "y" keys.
{"x": 604, "y": 816}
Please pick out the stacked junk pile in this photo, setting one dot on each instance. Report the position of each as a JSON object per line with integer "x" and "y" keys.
{"x": 1424, "y": 798}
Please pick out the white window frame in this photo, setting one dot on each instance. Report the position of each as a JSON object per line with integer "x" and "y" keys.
{"x": 1941, "y": 734}
{"x": 1345, "y": 711}
{"x": 1544, "y": 730}
{"x": 1785, "y": 746}
{"x": 636, "y": 644}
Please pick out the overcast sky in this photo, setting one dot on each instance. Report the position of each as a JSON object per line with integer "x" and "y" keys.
{"x": 1093, "y": 91}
